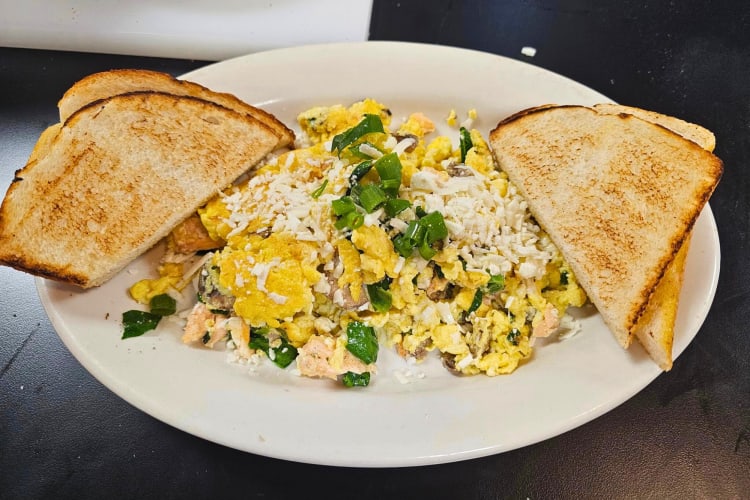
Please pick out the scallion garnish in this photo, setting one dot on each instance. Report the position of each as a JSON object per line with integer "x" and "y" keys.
{"x": 380, "y": 297}
{"x": 351, "y": 379}
{"x": 316, "y": 194}
{"x": 435, "y": 228}
{"x": 359, "y": 172}
{"x": 136, "y": 323}
{"x": 395, "y": 206}
{"x": 369, "y": 124}
{"x": 350, "y": 220}
{"x": 513, "y": 336}
{"x": 343, "y": 205}
{"x": 162, "y": 305}
{"x": 476, "y": 302}
{"x": 465, "y": 143}
{"x": 496, "y": 283}
{"x": 389, "y": 168}
{"x": 282, "y": 355}
{"x": 362, "y": 341}
{"x": 421, "y": 234}
{"x": 371, "y": 197}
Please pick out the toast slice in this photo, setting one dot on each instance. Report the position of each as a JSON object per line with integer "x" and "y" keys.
{"x": 117, "y": 176}
{"x": 655, "y": 328}
{"x": 120, "y": 81}
{"x": 617, "y": 194}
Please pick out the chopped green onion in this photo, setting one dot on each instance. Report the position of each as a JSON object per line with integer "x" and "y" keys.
{"x": 476, "y": 302}
{"x": 351, "y": 379}
{"x": 395, "y": 206}
{"x": 350, "y": 220}
{"x": 380, "y": 297}
{"x": 359, "y": 172}
{"x": 421, "y": 234}
{"x": 389, "y": 168}
{"x": 426, "y": 251}
{"x": 371, "y": 197}
{"x": 415, "y": 232}
{"x": 162, "y": 305}
{"x": 435, "y": 227}
{"x": 362, "y": 341}
{"x": 513, "y": 336}
{"x": 343, "y": 205}
{"x": 496, "y": 283}
{"x": 403, "y": 245}
{"x": 563, "y": 277}
{"x": 369, "y": 124}
{"x": 137, "y": 323}
{"x": 465, "y": 143}
{"x": 316, "y": 194}
{"x": 282, "y": 356}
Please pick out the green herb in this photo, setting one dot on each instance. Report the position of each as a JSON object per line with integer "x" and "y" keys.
{"x": 351, "y": 220}
{"x": 476, "y": 302}
{"x": 282, "y": 356}
{"x": 563, "y": 277}
{"x": 136, "y": 323}
{"x": 351, "y": 379}
{"x": 395, "y": 206}
{"x": 389, "y": 168}
{"x": 426, "y": 251}
{"x": 369, "y": 124}
{"x": 343, "y": 205}
{"x": 421, "y": 234}
{"x": 403, "y": 246}
{"x": 496, "y": 283}
{"x": 380, "y": 297}
{"x": 513, "y": 336}
{"x": 162, "y": 305}
{"x": 206, "y": 338}
{"x": 465, "y": 143}
{"x": 435, "y": 228}
{"x": 359, "y": 172}
{"x": 362, "y": 341}
{"x": 371, "y": 197}
{"x": 316, "y": 194}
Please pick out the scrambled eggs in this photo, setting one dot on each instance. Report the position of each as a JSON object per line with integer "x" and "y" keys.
{"x": 377, "y": 228}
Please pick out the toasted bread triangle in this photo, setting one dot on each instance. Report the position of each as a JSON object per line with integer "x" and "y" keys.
{"x": 116, "y": 177}
{"x": 655, "y": 328}
{"x": 617, "y": 194}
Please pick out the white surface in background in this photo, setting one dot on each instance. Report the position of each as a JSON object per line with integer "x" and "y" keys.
{"x": 190, "y": 29}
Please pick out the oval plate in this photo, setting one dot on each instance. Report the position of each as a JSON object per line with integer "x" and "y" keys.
{"x": 434, "y": 417}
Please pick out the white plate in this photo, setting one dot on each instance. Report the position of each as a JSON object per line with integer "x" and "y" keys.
{"x": 433, "y": 419}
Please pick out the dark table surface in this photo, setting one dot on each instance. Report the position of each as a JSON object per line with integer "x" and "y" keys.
{"x": 686, "y": 435}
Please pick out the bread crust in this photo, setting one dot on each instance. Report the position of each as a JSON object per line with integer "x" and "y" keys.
{"x": 105, "y": 84}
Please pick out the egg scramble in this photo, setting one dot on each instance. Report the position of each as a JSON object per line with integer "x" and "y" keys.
{"x": 373, "y": 233}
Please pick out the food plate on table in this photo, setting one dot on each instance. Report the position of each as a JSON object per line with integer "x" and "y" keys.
{"x": 412, "y": 414}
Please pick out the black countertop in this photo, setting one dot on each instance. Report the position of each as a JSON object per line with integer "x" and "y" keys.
{"x": 686, "y": 435}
